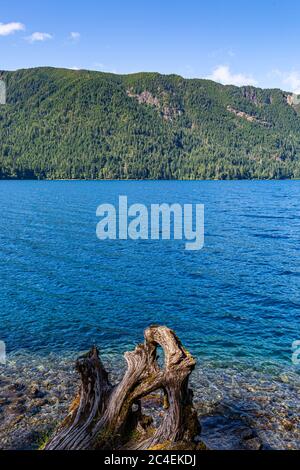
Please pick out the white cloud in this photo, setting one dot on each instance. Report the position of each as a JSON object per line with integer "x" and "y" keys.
{"x": 293, "y": 80}
{"x": 39, "y": 37}
{"x": 74, "y": 36}
{"x": 290, "y": 79}
{"x": 222, "y": 74}
{"x": 10, "y": 28}
{"x": 104, "y": 68}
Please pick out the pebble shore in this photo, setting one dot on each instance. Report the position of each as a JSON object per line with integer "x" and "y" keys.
{"x": 238, "y": 408}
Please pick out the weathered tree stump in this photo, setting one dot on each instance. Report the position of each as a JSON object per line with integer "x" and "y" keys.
{"x": 104, "y": 416}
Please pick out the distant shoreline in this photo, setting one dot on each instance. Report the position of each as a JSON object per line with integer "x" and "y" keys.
{"x": 148, "y": 179}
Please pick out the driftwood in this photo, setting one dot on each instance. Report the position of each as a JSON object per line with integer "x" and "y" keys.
{"x": 104, "y": 416}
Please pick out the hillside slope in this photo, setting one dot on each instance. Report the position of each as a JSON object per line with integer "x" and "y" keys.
{"x": 61, "y": 123}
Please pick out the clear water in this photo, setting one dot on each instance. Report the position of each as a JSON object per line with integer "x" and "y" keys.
{"x": 235, "y": 301}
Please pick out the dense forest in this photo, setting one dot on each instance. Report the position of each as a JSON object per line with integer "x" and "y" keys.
{"x": 71, "y": 124}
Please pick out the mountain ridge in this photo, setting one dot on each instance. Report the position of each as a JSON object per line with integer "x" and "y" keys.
{"x": 81, "y": 124}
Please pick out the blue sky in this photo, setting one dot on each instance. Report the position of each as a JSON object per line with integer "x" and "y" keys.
{"x": 230, "y": 41}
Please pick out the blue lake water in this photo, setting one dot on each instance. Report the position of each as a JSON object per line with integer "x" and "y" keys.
{"x": 236, "y": 300}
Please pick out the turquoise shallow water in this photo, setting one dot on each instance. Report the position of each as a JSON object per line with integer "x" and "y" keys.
{"x": 237, "y": 300}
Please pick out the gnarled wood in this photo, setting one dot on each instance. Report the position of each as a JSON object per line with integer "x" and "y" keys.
{"x": 103, "y": 416}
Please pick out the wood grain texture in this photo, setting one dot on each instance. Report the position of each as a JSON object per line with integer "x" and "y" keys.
{"x": 104, "y": 416}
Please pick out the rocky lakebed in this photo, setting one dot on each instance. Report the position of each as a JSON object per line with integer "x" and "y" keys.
{"x": 238, "y": 408}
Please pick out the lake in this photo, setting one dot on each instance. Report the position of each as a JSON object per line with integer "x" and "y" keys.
{"x": 235, "y": 304}
{"x": 237, "y": 299}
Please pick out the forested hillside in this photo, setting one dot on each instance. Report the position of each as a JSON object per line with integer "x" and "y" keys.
{"x": 79, "y": 124}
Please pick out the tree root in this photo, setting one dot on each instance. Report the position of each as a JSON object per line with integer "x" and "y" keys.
{"x": 104, "y": 416}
